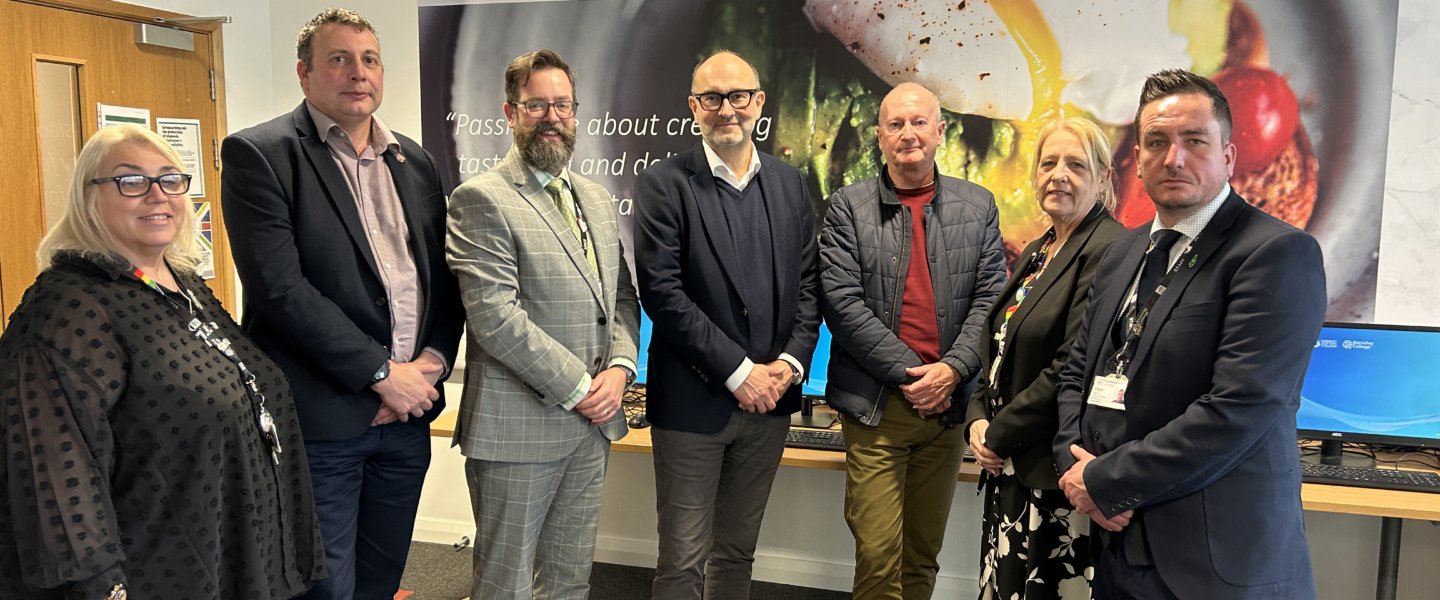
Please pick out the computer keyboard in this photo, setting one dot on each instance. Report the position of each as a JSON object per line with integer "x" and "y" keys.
{"x": 1388, "y": 479}
{"x": 817, "y": 439}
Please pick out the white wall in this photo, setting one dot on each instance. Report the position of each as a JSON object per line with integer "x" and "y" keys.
{"x": 804, "y": 540}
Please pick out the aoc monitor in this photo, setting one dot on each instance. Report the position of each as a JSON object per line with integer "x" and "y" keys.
{"x": 1373, "y": 384}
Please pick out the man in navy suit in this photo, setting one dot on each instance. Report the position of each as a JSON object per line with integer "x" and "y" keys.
{"x": 338, "y": 229}
{"x": 725, "y": 257}
{"x": 1177, "y": 405}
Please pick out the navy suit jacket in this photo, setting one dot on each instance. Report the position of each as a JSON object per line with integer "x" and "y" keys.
{"x": 686, "y": 266}
{"x": 314, "y": 300}
{"x": 1205, "y": 451}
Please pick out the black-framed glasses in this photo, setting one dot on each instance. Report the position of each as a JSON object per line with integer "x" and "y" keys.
{"x": 135, "y": 186}
{"x": 537, "y": 108}
{"x": 737, "y": 99}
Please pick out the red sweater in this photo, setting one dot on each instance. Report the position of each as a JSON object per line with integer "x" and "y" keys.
{"x": 919, "y": 323}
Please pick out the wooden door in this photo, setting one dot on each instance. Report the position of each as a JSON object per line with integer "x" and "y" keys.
{"x": 59, "y": 60}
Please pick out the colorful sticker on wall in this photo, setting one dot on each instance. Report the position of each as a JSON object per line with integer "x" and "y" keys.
{"x": 205, "y": 240}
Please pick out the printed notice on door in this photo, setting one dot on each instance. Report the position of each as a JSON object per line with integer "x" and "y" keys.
{"x": 117, "y": 115}
{"x": 184, "y": 136}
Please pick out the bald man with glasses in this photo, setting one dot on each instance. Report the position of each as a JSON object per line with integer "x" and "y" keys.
{"x": 725, "y": 255}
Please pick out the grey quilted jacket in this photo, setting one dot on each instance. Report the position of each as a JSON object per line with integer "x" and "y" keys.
{"x": 864, "y": 256}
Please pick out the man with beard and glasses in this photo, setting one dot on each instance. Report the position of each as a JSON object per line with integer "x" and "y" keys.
{"x": 554, "y": 327}
{"x": 725, "y": 256}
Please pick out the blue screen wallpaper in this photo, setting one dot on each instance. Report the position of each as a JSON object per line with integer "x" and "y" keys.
{"x": 814, "y": 385}
{"x": 1373, "y": 381}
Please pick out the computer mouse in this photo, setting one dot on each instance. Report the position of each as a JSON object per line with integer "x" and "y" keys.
{"x": 638, "y": 421}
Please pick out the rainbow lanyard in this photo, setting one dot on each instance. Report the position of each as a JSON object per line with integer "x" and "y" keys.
{"x": 147, "y": 280}
{"x": 1032, "y": 271}
{"x": 210, "y": 334}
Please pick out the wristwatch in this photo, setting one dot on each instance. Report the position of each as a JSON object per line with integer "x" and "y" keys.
{"x": 381, "y": 374}
{"x": 794, "y": 374}
{"x": 629, "y": 376}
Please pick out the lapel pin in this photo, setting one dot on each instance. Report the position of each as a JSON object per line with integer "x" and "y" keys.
{"x": 1192, "y": 262}
{"x": 400, "y": 157}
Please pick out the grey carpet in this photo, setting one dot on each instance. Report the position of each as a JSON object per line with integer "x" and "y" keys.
{"x": 440, "y": 572}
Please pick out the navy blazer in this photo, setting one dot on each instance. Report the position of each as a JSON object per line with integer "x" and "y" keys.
{"x": 1041, "y": 332}
{"x": 314, "y": 300}
{"x": 1205, "y": 451}
{"x": 686, "y": 267}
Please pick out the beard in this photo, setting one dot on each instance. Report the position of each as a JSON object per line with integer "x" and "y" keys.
{"x": 544, "y": 155}
{"x": 729, "y": 138}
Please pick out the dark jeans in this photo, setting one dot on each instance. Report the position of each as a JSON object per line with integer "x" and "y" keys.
{"x": 711, "y": 492}
{"x": 366, "y": 492}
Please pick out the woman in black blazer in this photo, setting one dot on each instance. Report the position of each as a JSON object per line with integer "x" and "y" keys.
{"x": 1034, "y": 545}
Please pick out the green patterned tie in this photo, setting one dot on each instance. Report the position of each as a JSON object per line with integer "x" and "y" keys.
{"x": 560, "y": 193}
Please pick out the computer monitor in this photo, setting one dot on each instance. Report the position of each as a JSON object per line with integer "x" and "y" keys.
{"x": 1372, "y": 383}
{"x": 814, "y": 387}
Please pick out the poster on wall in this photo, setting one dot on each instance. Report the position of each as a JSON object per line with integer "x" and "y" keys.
{"x": 109, "y": 114}
{"x": 1309, "y": 83}
{"x": 184, "y": 136}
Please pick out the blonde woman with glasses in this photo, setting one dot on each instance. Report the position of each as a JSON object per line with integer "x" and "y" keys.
{"x": 150, "y": 449}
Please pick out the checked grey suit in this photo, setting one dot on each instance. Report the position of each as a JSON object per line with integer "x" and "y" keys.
{"x": 539, "y": 319}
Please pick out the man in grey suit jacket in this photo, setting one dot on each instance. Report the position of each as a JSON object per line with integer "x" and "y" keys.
{"x": 553, "y": 329}
{"x": 1177, "y": 405}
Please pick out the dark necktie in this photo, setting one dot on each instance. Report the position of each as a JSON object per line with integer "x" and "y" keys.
{"x": 1157, "y": 261}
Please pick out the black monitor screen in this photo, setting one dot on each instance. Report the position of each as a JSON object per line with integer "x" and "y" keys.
{"x": 1373, "y": 383}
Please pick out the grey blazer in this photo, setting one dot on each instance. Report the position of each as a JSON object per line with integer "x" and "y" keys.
{"x": 538, "y": 317}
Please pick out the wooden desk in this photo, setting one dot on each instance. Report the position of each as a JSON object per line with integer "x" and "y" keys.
{"x": 1370, "y": 502}
{"x": 1316, "y": 497}
{"x": 638, "y": 442}
{"x": 1390, "y": 505}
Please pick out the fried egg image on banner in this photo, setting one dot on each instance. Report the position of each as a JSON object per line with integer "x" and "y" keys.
{"x": 1014, "y": 59}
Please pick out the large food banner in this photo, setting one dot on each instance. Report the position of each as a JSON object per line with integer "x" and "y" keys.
{"x": 1309, "y": 83}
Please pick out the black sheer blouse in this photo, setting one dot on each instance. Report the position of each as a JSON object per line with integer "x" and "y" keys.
{"x": 132, "y": 453}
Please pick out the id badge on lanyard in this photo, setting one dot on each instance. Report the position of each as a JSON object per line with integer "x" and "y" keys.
{"x": 1108, "y": 391}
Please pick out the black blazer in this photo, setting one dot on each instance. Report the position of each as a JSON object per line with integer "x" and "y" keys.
{"x": 314, "y": 300}
{"x": 1041, "y": 332}
{"x": 686, "y": 267}
{"x": 1205, "y": 451}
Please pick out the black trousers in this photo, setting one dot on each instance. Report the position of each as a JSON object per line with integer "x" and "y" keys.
{"x": 1117, "y": 579}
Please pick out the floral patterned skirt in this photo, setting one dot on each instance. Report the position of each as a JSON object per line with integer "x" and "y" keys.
{"x": 1033, "y": 545}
